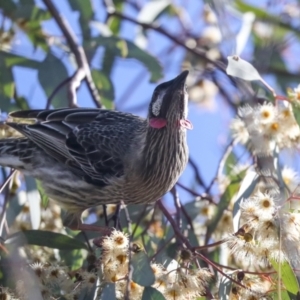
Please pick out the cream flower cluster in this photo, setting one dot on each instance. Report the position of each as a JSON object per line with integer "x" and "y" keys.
{"x": 180, "y": 283}
{"x": 175, "y": 283}
{"x": 268, "y": 231}
{"x": 54, "y": 282}
{"x": 114, "y": 264}
{"x": 264, "y": 125}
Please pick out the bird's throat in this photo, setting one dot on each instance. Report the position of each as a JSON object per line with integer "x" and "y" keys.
{"x": 158, "y": 123}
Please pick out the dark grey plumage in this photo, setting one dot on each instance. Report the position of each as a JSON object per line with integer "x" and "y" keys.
{"x": 88, "y": 157}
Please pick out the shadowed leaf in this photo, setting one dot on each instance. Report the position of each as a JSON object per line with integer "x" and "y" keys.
{"x": 230, "y": 191}
{"x": 85, "y": 14}
{"x": 142, "y": 272}
{"x": 45, "y": 238}
{"x": 105, "y": 87}
{"x": 108, "y": 292}
{"x": 126, "y": 49}
{"x": 151, "y": 293}
{"x": 51, "y": 72}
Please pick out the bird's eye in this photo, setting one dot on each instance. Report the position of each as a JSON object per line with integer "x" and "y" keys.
{"x": 186, "y": 88}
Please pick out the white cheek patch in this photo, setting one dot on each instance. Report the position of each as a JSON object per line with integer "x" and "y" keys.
{"x": 186, "y": 99}
{"x": 157, "y": 104}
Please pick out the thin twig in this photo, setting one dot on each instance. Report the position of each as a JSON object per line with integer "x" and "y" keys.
{"x": 176, "y": 229}
{"x": 187, "y": 216}
{"x": 7, "y": 180}
{"x": 166, "y": 243}
{"x": 222, "y": 162}
{"x": 197, "y": 173}
{"x": 178, "y": 207}
{"x": 83, "y": 71}
{"x": 201, "y": 196}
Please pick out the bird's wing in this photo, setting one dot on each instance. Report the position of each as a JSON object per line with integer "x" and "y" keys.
{"x": 91, "y": 142}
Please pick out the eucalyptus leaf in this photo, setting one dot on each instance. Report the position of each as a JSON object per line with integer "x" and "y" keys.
{"x": 46, "y": 239}
{"x": 85, "y": 11}
{"x": 43, "y": 195}
{"x": 73, "y": 258}
{"x": 240, "y": 68}
{"x": 296, "y": 112}
{"x": 151, "y": 293}
{"x": 6, "y": 85}
{"x": 116, "y": 46}
{"x": 288, "y": 276}
{"x": 142, "y": 272}
{"x": 51, "y": 72}
{"x": 105, "y": 88}
{"x": 108, "y": 292}
{"x": 230, "y": 191}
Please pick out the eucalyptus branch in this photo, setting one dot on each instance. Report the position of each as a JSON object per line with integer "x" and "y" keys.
{"x": 222, "y": 162}
{"x": 111, "y": 10}
{"x": 176, "y": 229}
{"x": 178, "y": 207}
{"x": 83, "y": 71}
{"x": 197, "y": 173}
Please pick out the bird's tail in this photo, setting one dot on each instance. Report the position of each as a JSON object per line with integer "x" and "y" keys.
{"x": 14, "y": 152}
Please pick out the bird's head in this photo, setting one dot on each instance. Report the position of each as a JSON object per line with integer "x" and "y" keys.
{"x": 169, "y": 107}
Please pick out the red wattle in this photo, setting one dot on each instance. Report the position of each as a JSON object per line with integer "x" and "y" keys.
{"x": 157, "y": 123}
{"x": 186, "y": 124}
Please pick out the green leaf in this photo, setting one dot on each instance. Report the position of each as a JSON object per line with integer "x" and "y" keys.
{"x": 6, "y": 85}
{"x": 45, "y": 239}
{"x": 296, "y": 112}
{"x": 74, "y": 259}
{"x": 284, "y": 295}
{"x": 116, "y": 46}
{"x": 43, "y": 195}
{"x": 151, "y": 293}
{"x": 108, "y": 292}
{"x": 21, "y": 103}
{"x": 263, "y": 15}
{"x": 8, "y": 6}
{"x": 28, "y": 18}
{"x": 16, "y": 60}
{"x": 114, "y": 22}
{"x": 230, "y": 191}
{"x": 105, "y": 87}
{"x": 142, "y": 272}
{"x": 51, "y": 72}
{"x": 288, "y": 276}
{"x": 85, "y": 11}
{"x": 230, "y": 163}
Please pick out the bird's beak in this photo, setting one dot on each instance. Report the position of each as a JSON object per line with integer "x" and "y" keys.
{"x": 179, "y": 81}
{"x": 175, "y": 96}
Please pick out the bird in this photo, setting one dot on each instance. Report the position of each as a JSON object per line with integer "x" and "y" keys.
{"x": 85, "y": 157}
